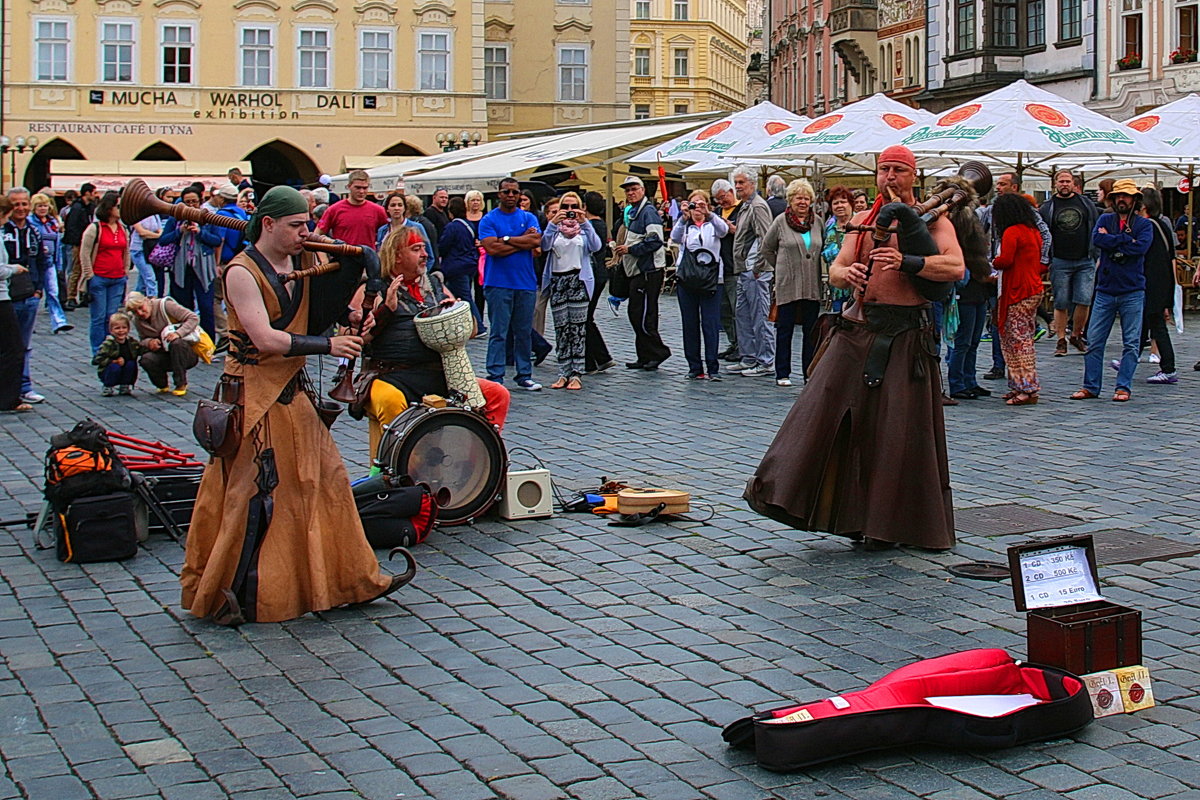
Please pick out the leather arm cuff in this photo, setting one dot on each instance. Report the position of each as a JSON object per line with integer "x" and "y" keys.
{"x": 911, "y": 265}
{"x": 309, "y": 345}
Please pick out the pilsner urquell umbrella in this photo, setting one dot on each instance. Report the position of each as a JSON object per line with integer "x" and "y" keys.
{"x": 1177, "y": 125}
{"x": 706, "y": 143}
{"x": 842, "y": 139}
{"x": 1025, "y": 127}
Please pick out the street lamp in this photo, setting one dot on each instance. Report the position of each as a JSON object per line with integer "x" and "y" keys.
{"x": 12, "y": 147}
{"x": 451, "y": 141}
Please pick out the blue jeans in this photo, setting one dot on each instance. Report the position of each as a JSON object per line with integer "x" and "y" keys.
{"x": 971, "y": 319}
{"x": 1105, "y": 308}
{"x": 510, "y": 308}
{"x": 26, "y": 311}
{"x": 190, "y": 295}
{"x": 58, "y": 317}
{"x": 120, "y": 374}
{"x": 107, "y": 296}
{"x": 462, "y": 287}
{"x": 147, "y": 282}
{"x": 700, "y": 313}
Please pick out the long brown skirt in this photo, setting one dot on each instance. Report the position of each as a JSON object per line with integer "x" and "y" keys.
{"x": 314, "y": 554}
{"x": 859, "y": 461}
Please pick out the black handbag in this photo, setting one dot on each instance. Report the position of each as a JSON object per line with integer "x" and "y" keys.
{"x": 698, "y": 271}
{"x": 99, "y": 528}
{"x": 394, "y": 516}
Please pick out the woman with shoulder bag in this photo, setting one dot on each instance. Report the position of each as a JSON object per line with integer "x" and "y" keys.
{"x": 792, "y": 246}
{"x": 167, "y": 330}
{"x": 105, "y": 261}
{"x": 698, "y": 283}
{"x": 194, "y": 274}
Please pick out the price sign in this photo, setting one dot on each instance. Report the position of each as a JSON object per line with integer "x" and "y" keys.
{"x": 1057, "y": 576}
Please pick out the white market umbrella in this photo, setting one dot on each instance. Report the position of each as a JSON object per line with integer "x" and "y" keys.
{"x": 708, "y": 143}
{"x": 844, "y": 136}
{"x": 1023, "y": 126}
{"x": 1177, "y": 125}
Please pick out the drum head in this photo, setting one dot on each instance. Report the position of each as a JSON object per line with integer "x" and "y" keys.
{"x": 456, "y": 452}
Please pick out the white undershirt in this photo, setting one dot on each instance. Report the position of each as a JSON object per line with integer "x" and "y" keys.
{"x": 568, "y": 253}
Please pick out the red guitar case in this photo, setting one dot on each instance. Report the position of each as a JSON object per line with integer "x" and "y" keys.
{"x": 894, "y": 712}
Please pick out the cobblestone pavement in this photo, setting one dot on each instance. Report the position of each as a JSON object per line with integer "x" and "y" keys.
{"x": 565, "y": 658}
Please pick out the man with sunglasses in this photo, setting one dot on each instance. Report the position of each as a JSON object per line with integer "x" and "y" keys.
{"x": 509, "y": 235}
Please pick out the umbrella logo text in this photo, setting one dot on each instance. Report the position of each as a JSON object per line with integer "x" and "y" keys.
{"x": 792, "y": 140}
{"x": 1067, "y": 139}
{"x": 927, "y": 134}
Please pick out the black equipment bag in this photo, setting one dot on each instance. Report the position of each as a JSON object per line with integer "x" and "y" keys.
{"x": 98, "y": 528}
{"x": 82, "y": 462}
{"x": 698, "y": 271}
{"x": 394, "y": 516}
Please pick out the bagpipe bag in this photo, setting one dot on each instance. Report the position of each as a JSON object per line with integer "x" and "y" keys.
{"x": 893, "y": 712}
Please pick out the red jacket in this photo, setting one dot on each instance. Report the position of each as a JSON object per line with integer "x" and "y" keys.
{"x": 1020, "y": 259}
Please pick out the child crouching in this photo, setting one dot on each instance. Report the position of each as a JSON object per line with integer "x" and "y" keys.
{"x": 116, "y": 360}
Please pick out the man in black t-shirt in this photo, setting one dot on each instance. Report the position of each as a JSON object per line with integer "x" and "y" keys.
{"x": 1072, "y": 218}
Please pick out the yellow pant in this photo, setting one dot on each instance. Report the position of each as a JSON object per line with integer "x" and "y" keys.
{"x": 385, "y": 403}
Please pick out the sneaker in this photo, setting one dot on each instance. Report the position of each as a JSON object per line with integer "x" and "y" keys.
{"x": 1164, "y": 377}
{"x": 783, "y": 381}
{"x": 1155, "y": 358}
{"x": 739, "y": 367}
{"x": 1040, "y": 334}
{"x": 1060, "y": 349}
{"x": 993, "y": 375}
{"x": 758, "y": 371}
{"x": 163, "y": 390}
{"x": 529, "y": 385}
{"x": 1115, "y": 364}
{"x": 986, "y": 337}
{"x": 108, "y": 391}
{"x": 1079, "y": 343}
{"x": 125, "y": 389}
{"x": 179, "y": 391}
{"x": 732, "y": 358}
{"x": 33, "y": 398}
{"x": 64, "y": 328}
{"x": 715, "y": 378}
{"x": 698, "y": 376}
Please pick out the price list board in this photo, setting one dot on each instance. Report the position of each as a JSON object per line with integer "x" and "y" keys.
{"x": 1055, "y": 573}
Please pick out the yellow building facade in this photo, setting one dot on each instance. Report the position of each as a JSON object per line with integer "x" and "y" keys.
{"x": 297, "y": 87}
{"x": 687, "y": 56}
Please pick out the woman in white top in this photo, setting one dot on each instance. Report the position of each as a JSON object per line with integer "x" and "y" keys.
{"x": 567, "y": 280}
{"x": 699, "y": 232}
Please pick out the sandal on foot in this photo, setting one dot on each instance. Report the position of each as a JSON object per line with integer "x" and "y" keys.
{"x": 20, "y": 408}
{"x": 575, "y": 384}
{"x": 561, "y": 383}
{"x": 1121, "y": 396}
{"x": 1022, "y": 399}
{"x": 1084, "y": 394}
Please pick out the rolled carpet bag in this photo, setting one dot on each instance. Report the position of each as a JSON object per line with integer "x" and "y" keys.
{"x": 394, "y": 516}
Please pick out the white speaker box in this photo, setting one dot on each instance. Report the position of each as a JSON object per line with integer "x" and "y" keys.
{"x": 527, "y": 495}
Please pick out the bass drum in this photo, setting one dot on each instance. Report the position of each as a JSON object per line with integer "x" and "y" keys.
{"x": 457, "y": 453}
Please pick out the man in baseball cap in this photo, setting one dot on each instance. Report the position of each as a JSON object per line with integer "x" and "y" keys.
{"x": 1123, "y": 236}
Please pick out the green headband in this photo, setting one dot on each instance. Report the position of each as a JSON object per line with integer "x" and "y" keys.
{"x": 280, "y": 201}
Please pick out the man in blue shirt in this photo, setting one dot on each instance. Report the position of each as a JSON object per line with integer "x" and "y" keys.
{"x": 509, "y": 235}
{"x": 1123, "y": 237}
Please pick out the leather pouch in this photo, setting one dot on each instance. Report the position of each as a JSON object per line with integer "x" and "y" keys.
{"x": 217, "y": 425}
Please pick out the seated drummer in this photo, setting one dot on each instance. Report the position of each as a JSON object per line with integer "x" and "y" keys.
{"x": 404, "y": 369}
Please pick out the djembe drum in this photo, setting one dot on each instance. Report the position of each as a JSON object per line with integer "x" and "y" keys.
{"x": 446, "y": 330}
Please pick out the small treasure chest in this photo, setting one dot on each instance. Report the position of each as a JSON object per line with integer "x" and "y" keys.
{"x": 1068, "y": 624}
